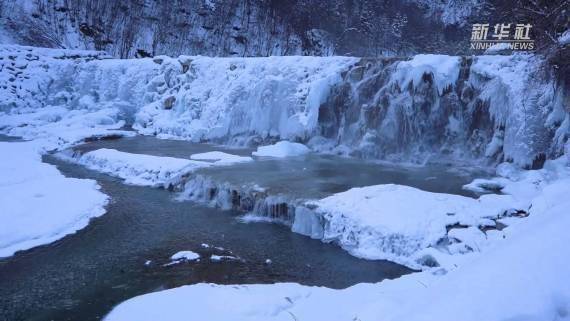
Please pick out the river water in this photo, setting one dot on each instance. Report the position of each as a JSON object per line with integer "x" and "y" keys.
{"x": 124, "y": 252}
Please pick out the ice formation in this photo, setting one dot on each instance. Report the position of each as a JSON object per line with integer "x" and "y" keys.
{"x": 430, "y": 108}
{"x": 497, "y": 109}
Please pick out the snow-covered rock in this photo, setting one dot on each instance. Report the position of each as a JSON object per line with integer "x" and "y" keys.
{"x": 422, "y": 229}
{"x": 218, "y": 258}
{"x": 38, "y": 204}
{"x": 185, "y": 256}
{"x": 282, "y": 149}
{"x": 520, "y": 183}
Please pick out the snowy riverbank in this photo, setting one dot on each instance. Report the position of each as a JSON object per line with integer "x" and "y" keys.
{"x": 39, "y": 204}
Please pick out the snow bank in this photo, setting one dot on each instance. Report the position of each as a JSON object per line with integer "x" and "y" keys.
{"x": 221, "y": 158}
{"x": 40, "y": 205}
{"x": 282, "y": 149}
{"x": 138, "y": 169}
{"x": 520, "y": 183}
{"x": 60, "y": 128}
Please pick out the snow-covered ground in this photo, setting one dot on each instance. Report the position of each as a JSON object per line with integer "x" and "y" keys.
{"x": 38, "y": 204}
{"x": 402, "y": 223}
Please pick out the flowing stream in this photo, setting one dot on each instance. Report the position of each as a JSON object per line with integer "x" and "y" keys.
{"x": 125, "y": 252}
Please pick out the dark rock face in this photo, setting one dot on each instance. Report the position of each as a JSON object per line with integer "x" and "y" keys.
{"x": 169, "y": 102}
{"x": 135, "y": 28}
{"x": 236, "y": 27}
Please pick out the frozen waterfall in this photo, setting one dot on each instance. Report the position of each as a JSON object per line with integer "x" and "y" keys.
{"x": 428, "y": 108}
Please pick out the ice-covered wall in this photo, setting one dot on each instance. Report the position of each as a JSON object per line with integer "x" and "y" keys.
{"x": 429, "y": 108}
{"x": 438, "y": 108}
{"x": 235, "y": 100}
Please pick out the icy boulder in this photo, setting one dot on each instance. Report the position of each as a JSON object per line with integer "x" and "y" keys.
{"x": 185, "y": 256}
{"x": 282, "y": 149}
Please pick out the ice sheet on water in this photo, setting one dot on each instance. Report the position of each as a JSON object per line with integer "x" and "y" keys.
{"x": 221, "y": 158}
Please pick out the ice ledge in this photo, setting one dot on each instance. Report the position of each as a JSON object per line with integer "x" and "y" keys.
{"x": 398, "y": 223}
{"x": 136, "y": 169}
